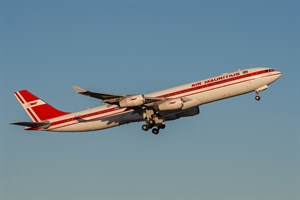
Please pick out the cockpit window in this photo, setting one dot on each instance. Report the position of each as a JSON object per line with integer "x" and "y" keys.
{"x": 270, "y": 70}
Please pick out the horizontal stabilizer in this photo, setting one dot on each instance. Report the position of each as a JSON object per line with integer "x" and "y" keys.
{"x": 44, "y": 124}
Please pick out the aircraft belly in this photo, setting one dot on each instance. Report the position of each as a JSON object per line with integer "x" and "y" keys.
{"x": 131, "y": 117}
{"x": 85, "y": 126}
{"x": 98, "y": 124}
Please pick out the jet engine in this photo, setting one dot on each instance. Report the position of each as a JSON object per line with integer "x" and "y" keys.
{"x": 172, "y": 104}
{"x": 132, "y": 101}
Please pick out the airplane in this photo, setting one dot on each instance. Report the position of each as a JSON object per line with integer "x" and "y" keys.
{"x": 155, "y": 109}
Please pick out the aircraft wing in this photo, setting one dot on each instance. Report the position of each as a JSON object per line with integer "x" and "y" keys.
{"x": 107, "y": 98}
{"x": 112, "y": 98}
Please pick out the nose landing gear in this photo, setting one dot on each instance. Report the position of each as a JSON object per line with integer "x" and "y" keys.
{"x": 258, "y": 90}
{"x": 257, "y": 97}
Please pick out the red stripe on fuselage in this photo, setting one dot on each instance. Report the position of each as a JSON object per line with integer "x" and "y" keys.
{"x": 167, "y": 95}
{"x": 227, "y": 85}
{"x": 84, "y": 116}
{"x": 211, "y": 84}
{"x": 217, "y": 87}
{"x": 77, "y": 121}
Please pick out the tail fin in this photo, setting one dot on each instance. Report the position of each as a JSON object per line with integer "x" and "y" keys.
{"x": 37, "y": 109}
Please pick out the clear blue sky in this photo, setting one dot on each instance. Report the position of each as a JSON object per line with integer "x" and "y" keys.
{"x": 236, "y": 149}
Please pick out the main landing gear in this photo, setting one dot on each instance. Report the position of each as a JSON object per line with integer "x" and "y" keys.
{"x": 154, "y": 121}
{"x": 155, "y": 128}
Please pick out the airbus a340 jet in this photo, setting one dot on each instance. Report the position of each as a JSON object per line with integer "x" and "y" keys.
{"x": 155, "y": 109}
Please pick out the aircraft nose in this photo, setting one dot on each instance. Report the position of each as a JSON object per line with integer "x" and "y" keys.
{"x": 278, "y": 75}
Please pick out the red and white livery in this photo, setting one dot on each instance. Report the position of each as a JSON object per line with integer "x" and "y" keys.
{"x": 155, "y": 108}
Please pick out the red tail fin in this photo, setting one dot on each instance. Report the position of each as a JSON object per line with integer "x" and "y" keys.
{"x": 37, "y": 109}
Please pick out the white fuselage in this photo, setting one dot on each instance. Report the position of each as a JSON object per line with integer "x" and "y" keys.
{"x": 198, "y": 93}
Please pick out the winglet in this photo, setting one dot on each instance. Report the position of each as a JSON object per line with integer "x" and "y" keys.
{"x": 78, "y": 89}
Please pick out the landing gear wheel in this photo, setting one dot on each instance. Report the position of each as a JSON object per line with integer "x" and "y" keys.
{"x": 162, "y": 126}
{"x": 155, "y": 131}
{"x": 151, "y": 122}
{"x": 257, "y": 98}
{"x": 145, "y": 127}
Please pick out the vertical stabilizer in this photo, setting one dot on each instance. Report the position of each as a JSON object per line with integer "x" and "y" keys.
{"x": 36, "y": 108}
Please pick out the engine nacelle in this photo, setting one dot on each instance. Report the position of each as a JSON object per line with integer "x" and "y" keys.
{"x": 132, "y": 101}
{"x": 173, "y": 104}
